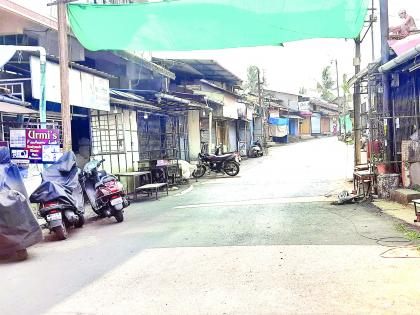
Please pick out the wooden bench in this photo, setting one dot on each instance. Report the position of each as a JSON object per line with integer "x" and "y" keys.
{"x": 417, "y": 213}
{"x": 150, "y": 187}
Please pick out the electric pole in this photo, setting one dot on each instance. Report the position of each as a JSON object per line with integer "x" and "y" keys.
{"x": 340, "y": 105}
{"x": 385, "y": 78}
{"x": 64, "y": 72}
{"x": 260, "y": 102}
{"x": 357, "y": 105}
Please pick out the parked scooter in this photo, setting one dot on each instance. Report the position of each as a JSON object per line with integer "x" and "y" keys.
{"x": 256, "y": 149}
{"x": 19, "y": 228}
{"x": 227, "y": 163}
{"x": 105, "y": 193}
{"x": 60, "y": 196}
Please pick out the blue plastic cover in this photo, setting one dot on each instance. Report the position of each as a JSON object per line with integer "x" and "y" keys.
{"x": 60, "y": 181}
{"x": 19, "y": 228}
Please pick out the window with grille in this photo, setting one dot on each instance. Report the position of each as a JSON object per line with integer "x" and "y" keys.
{"x": 107, "y": 132}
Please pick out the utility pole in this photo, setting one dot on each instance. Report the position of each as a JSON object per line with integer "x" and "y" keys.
{"x": 64, "y": 72}
{"x": 385, "y": 78}
{"x": 340, "y": 105}
{"x": 357, "y": 105}
{"x": 264, "y": 120}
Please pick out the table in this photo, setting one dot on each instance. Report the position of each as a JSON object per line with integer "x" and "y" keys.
{"x": 136, "y": 179}
{"x": 155, "y": 187}
{"x": 417, "y": 213}
{"x": 362, "y": 177}
{"x": 361, "y": 167}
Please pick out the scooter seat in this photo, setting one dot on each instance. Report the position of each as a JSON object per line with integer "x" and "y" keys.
{"x": 104, "y": 180}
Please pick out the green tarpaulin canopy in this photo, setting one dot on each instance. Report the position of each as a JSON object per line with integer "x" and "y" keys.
{"x": 213, "y": 24}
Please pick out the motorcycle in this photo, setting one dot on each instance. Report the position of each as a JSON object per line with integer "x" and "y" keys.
{"x": 60, "y": 196}
{"x": 220, "y": 152}
{"x": 256, "y": 149}
{"x": 19, "y": 228}
{"x": 226, "y": 164}
{"x": 105, "y": 193}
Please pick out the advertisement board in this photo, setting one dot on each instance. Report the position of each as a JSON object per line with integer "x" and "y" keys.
{"x": 86, "y": 90}
{"x": 35, "y": 145}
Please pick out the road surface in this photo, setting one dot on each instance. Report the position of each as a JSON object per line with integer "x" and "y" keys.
{"x": 265, "y": 242}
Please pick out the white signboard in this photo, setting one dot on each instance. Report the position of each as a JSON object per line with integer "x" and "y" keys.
{"x": 51, "y": 153}
{"x": 249, "y": 113}
{"x": 304, "y": 106}
{"x": 86, "y": 90}
{"x": 230, "y": 110}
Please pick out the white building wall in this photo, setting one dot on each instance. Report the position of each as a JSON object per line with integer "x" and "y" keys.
{"x": 194, "y": 140}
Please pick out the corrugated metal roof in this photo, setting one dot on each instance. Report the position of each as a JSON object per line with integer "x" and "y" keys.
{"x": 212, "y": 70}
{"x": 145, "y": 63}
{"x": 16, "y": 109}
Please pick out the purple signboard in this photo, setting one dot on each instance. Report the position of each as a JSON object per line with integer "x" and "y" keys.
{"x": 28, "y": 145}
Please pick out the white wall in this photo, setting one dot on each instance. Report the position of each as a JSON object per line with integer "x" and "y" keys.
{"x": 39, "y": 6}
{"x": 194, "y": 141}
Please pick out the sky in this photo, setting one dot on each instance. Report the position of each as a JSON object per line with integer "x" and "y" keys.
{"x": 299, "y": 64}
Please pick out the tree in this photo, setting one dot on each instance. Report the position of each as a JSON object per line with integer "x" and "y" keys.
{"x": 302, "y": 90}
{"x": 251, "y": 84}
{"x": 346, "y": 89}
{"x": 326, "y": 85}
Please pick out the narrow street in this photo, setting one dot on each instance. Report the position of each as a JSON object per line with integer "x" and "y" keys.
{"x": 265, "y": 242}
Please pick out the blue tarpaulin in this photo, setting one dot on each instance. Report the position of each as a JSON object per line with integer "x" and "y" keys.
{"x": 278, "y": 121}
{"x": 279, "y": 127}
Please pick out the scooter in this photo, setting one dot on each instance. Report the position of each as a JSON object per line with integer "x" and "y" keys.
{"x": 226, "y": 164}
{"x": 19, "y": 228}
{"x": 60, "y": 196}
{"x": 256, "y": 150}
{"x": 105, "y": 193}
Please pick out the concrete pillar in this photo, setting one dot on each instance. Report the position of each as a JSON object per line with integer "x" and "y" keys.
{"x": 194, "y": 141}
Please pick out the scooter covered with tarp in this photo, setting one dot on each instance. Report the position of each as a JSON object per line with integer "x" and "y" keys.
{"x": 19, "y": 228}
{"x": 60, "y": 196}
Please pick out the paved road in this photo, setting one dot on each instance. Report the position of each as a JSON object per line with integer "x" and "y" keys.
{"x": 266, "y": 242}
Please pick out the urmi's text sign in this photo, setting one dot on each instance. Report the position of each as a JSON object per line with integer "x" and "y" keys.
{"x": 35, "y": 145}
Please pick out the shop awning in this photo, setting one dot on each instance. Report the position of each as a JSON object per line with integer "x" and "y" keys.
{"x": 213, "y": 24}
{"x": 16, "y": 109}
{"x": 154, "y": 101}
{"x": 294, "y": 117}
{"x": 278, "y": 121}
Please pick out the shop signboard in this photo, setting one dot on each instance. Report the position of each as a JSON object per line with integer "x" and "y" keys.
{"x": 86, "y": 90}
{"x": 35, "y": 145}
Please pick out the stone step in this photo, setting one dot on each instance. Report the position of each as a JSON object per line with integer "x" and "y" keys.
{"x": 404, "y": 196}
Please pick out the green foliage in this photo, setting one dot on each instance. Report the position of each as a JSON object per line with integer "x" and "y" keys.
{"x": 251, "y": 84}
{"x": 410, "y": 234}
{"x": 326, "y": 85}
{"x": 302, "y": 90}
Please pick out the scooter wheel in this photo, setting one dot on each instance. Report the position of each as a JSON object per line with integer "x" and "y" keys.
{"x": 80, "y": 222}
{"x": 21, "y": 255}
{"x": 119, "y": 216}
{"x": 61, "y": 232}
